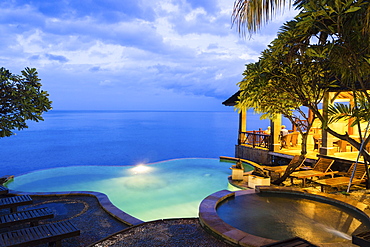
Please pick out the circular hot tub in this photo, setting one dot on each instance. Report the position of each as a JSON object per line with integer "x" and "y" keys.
{"x": 272, "y": 214}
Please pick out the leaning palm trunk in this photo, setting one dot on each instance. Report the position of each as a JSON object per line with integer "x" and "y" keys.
{"x": 291, "y": 168}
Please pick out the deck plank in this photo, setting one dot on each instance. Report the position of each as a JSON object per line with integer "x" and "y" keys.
{"x": 32, "y": 216}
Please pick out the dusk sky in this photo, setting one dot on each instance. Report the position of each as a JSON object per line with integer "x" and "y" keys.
{"x": 130, "y": 55}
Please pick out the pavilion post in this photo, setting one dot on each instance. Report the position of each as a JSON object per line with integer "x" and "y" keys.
{"x": 242, "y": 126}
{"x": 275, "y": 133}
{"x": 327, "y": 139}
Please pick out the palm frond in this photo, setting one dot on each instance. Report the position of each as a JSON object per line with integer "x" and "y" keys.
{"x": 250, "y": 15}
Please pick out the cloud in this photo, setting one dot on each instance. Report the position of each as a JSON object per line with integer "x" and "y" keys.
{"x": 58, "y": 58}
{"x": 105, "y": 83}
{"x": 109, "y": 53}
{"x": 108, "y": 11}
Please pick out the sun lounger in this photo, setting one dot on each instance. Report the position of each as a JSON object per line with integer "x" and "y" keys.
{"x": 14, "y": 202}
{"x": 33, "y": 216}
{"x": 48, "y": 233}
{"x": 321, "y": 168}
{"x": 281, "y": 169}
{"x": 3, "y": 190}
{"x": 358, "y": 178}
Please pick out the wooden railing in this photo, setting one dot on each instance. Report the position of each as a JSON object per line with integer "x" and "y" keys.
{"x": 255, "y": 138}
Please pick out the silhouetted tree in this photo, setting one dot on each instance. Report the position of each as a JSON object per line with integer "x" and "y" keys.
{"x": 21, "y": 99}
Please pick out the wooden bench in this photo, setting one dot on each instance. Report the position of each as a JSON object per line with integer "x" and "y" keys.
{"x": 33, "y": 216}
{"x": 49, "y": 233}
{"x": 3, "y": 190}
{"x": 292, "y": 242}
{"x": 15, "y": 201}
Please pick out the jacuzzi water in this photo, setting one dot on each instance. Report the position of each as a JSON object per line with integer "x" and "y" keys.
{"x": 169, "y": 189}
{"x": 282, "y": 216}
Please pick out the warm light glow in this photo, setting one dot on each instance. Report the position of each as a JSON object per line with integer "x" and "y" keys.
{"x": 140, "y": 169}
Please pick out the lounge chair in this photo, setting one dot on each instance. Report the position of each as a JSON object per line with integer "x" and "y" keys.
{"x": 321, "y": 168}
{"x": 336, "y": 182}
{"x": 281, "y": 169}
{"x": 15, "y": 201}
{"x": 32, "y": 216}
{"x": 52, "y": 233}
{"x": 3, "y": 190}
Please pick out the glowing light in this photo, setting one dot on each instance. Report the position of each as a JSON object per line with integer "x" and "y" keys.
{"x": 140, "y": 169}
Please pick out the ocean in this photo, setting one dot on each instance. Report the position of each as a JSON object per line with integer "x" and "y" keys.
{"x": 69, "y": 138}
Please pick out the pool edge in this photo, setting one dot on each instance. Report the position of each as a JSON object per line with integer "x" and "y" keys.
{"x": 102, "y": 198}
{"x": 212, "y": 223}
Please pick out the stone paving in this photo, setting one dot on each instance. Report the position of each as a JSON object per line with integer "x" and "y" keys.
{"x": 169, "y": 233}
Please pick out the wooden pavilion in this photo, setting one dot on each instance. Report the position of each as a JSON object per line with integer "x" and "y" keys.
{"x": 267, "y": 149}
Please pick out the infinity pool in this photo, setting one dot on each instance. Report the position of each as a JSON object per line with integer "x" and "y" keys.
{"x": 169, "y": 189}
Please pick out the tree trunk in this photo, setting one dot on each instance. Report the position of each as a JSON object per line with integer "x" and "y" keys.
{"x": 291, "y": 168}
{"x": 304, "y": 143}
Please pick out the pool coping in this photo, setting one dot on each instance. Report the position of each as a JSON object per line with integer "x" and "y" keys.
{"x": 211, "y": 222}
{"x": 102, "y": 198}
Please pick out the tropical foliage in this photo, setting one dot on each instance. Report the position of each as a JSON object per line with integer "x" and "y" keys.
{"x": 325, "y": 48}
{"x": 252, "y": 14}
{"x": 21, "y": 99}
{"x": 286, "y": 78}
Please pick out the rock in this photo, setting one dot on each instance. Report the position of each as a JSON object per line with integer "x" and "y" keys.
{"x": 6, "y": 178}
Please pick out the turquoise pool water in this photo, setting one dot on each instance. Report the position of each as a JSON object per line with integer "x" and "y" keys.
{"x": 169, "y": 189}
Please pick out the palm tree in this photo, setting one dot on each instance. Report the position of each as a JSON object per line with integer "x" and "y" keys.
{"x": 252, "y": 14}
{"x": 285, "y": 78}
{"x": 335, "y": 31}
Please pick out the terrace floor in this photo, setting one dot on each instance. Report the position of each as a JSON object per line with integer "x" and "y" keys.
{"x": 313, "y": 154}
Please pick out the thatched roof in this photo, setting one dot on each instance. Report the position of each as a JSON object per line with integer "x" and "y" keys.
{"x": 232, "y": 100}
{"x": 342, "y": 93}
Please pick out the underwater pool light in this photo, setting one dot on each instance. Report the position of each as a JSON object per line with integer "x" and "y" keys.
{"x": 141, "y": 168}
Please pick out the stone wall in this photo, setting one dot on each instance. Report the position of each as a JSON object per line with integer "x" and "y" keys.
{"x": 254, "y": 154}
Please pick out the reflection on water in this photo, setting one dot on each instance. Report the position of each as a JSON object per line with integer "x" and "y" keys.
{"x": 281, "y": 217}
{"x": 333, "y": 231}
